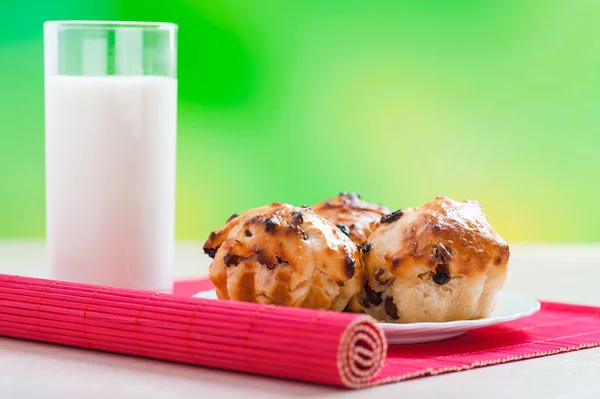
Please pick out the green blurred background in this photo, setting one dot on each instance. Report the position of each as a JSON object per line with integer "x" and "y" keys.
{"x": 492, "y": 100}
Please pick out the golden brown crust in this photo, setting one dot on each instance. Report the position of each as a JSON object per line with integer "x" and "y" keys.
{"x": 442, "y": 261}
{"x": 284, "y": 255}
{"x": 442, "y": 231}
{"x": 360, "y": 217}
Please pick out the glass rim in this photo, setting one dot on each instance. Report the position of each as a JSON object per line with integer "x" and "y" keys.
{"x": 83, "y": 24}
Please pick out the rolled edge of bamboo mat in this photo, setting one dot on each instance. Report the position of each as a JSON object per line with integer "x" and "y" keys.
{"x": 361, "y": 353}
{"x": 322, "y": 347}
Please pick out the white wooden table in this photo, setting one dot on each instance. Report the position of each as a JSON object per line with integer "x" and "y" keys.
{"x": 563, "y": 273}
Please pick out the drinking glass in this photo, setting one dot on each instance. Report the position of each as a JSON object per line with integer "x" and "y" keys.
{"x": 111, "y": 120}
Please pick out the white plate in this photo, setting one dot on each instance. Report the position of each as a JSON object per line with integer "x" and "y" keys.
{"x": 510, "y": 307}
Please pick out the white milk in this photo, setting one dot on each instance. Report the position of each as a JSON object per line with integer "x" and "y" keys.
{"x": 110, "y": 179}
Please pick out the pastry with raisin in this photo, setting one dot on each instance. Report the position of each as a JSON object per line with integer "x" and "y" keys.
{"x": 354, "y": 217}
{"x": 284, "y": 255}
{"x": 440, "y": 262}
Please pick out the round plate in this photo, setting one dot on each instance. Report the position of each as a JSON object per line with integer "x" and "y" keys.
{"x": 510, "y": 307}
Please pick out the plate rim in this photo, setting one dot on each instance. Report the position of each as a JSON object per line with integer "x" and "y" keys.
{"x": 471, "y": 324}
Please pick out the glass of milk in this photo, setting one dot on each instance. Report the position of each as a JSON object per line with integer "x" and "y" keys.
{"x": 111, "y": 119}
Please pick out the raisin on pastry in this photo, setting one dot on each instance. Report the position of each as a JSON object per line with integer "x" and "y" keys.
{"x": 284, "y": 255}
{"x": 440, "y": 262}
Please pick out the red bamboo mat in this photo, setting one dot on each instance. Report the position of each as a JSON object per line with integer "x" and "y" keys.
{"x": 300, "y": 344}
{"x": 339, "y": 349}
{"x": 556, "y": 328}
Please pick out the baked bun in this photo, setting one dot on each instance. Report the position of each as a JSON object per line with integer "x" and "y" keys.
{"x": 283, "y": 255}
{"x": 440, "y": 262}
{"x": 355, "y": 217}
{"x": 352, "y": 214}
